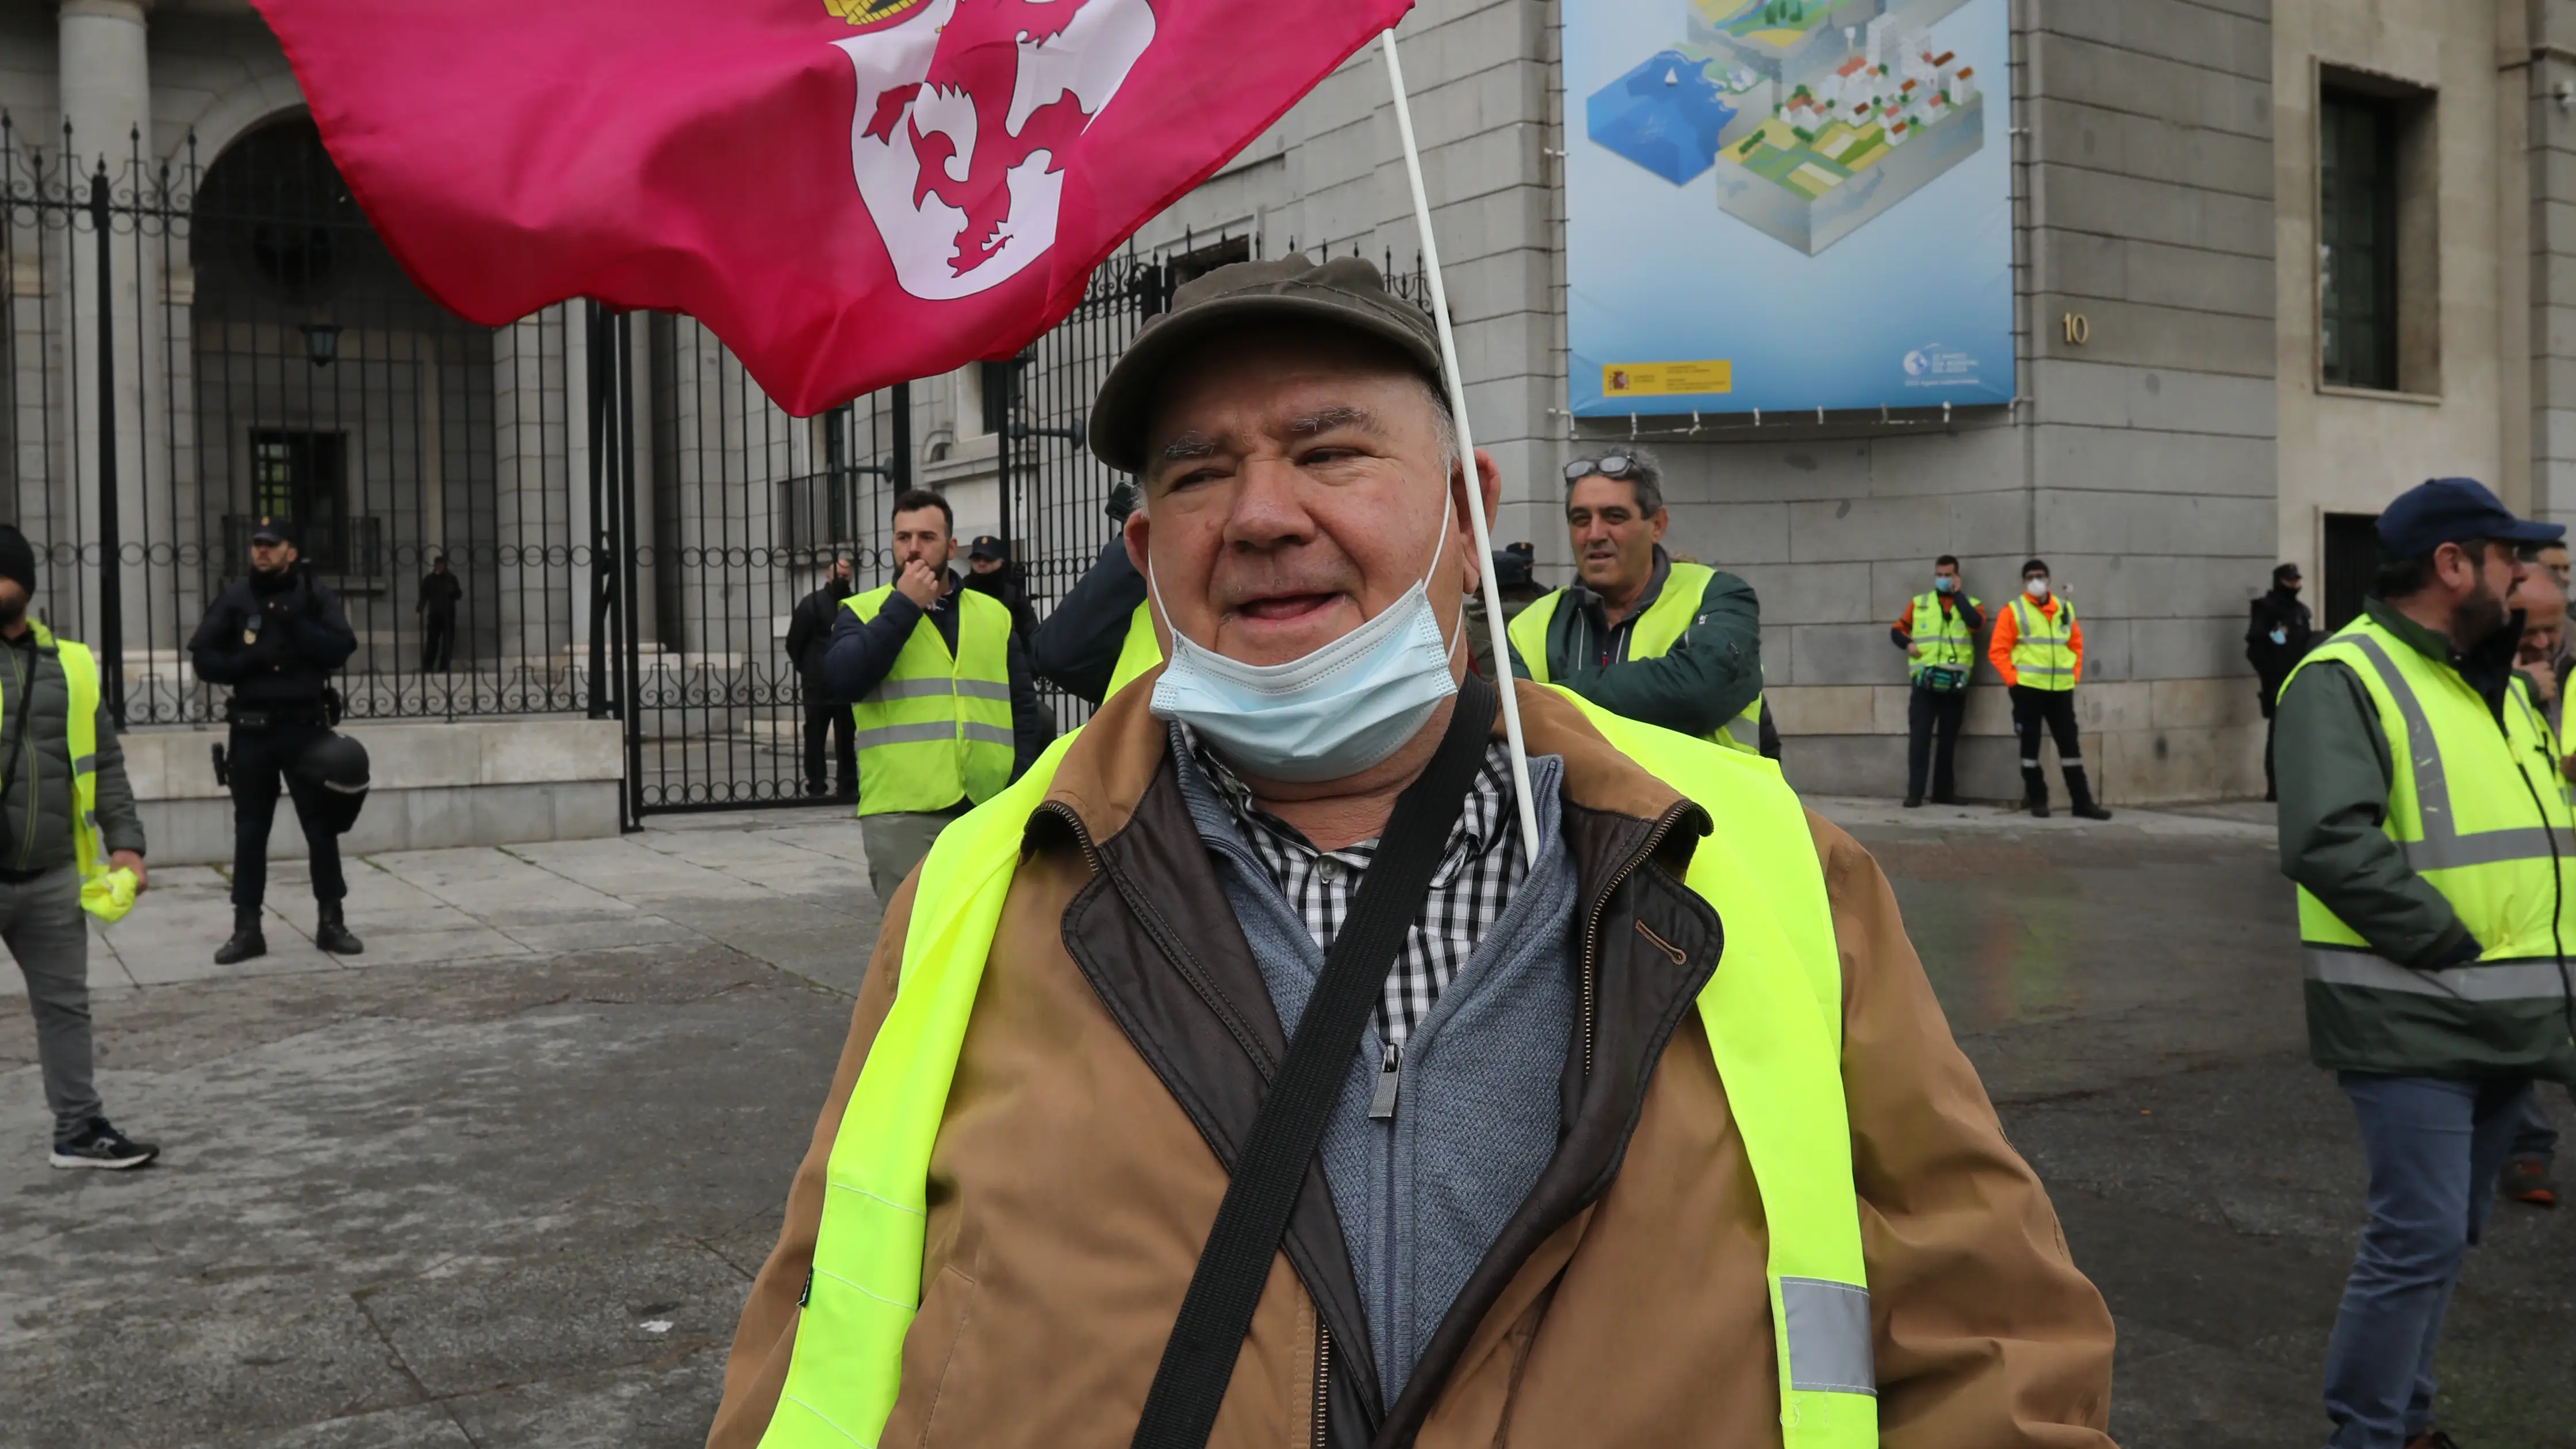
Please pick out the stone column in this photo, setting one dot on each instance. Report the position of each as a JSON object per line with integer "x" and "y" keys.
{"x": 106, "y": 87}
{"x": 2552, "y": 147}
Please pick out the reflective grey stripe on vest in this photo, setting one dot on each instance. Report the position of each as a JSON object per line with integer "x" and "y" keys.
{"x": 1827, "y": 1326}
{"x": 905, "y": 734}
{"x": 894, "y": 689}
{"x": 920, "y": 734}
{"x": 2443, "y": 846}
{"x": 2487, "y": 981}
{"x": 1745, "y": 731}
{"x": 86, "y": 764}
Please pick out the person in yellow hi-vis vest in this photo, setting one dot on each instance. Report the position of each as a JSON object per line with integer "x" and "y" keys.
{"x": 1938, "y": 632}
{"x": 1245, "y": 1075}
{"x": 2038, "y": 650}
{"x": 2426, "y": 824}
{"x": 73, "y": 844}
{"x": 1640, "y": 634}
{"x": 943, "y": 714}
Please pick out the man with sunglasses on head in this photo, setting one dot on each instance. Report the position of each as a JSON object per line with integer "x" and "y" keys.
{"x": 1673, "y": 644}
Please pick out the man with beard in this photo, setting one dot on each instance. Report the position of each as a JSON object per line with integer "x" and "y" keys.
{"x": 943, "y": 708}
{"x": 2277, "y": 637}
{"x": 827, "y": 717}
{"x": 2423, "y": 820}
{"x": 74, "y": 842}
{"x": 275, "y": 637}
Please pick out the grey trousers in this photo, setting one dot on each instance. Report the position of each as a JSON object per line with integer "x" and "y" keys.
{"x": 42, "y": 924}
{"x": 896, "y": 842}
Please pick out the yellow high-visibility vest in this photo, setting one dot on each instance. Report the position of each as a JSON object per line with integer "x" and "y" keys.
{"x": 1653, "y": 635}
{"x": 1945, "y": 637}
{"x": 2043, "y": 652}
{"x": 1773, "y": 1012}
{"x": 1141, "y": 652}
{"x": 937, "y": 728}
{"x": 2482, "y": 814}
{"x": 105, "y": 894}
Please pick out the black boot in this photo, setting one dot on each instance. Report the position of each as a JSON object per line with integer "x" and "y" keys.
{"x": 332, "y": 933}
{"x": 246, "y": 940}
{"x": 2034, "y": 792}
{"x": 2081, "y": 794}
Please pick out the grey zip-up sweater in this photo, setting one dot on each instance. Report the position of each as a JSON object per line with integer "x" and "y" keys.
{"x": 1423, "y": 1195}
{"x": 36, "y": 758}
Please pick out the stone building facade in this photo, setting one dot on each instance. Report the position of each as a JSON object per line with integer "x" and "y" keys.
{"x": 2168, "y": 160}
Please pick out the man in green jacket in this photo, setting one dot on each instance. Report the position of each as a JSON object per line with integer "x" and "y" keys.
{"x": 41, "y": 920}
{"x": 2424, "y": 820}
{"x": 1673, "y": 644}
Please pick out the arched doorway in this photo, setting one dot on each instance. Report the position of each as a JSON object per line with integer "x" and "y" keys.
{"x": 329, "y": 388}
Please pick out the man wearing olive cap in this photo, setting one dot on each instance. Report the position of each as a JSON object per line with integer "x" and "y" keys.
{"x": 1131, "y": 1143}
{"x": 68, "y": 819}
{"x": 2424, "y": 821}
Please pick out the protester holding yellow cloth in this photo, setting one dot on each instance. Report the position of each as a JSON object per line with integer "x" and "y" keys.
{"x": 70, "y": 841}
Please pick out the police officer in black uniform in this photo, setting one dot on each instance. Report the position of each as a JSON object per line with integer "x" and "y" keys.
{"x": 273, "y": 637}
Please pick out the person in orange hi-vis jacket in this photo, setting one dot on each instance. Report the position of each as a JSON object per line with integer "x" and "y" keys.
{"x": 2038, "y": 648}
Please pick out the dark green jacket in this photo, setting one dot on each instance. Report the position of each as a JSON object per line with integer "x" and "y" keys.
{"x": 36, "y": 761}
{"x": 2334, "y": 768}
{"x": 1711, "y": 673}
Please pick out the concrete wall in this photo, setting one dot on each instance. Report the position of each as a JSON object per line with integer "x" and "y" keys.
{"x": 2164, "y": 189}
{"x": 2344, "y": 451}
{"x": 436, "y": 783}
{"x": 2142, "y": 465}
{"x": 2528, "y": 84}
{"x": 2152, "y": 443}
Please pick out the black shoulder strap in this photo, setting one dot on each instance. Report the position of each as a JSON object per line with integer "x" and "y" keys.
{"x": 1207, "y": 1337}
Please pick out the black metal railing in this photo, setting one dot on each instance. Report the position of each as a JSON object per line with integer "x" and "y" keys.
{"x": 194, "y": 347}
{"x": 626, "y": 521}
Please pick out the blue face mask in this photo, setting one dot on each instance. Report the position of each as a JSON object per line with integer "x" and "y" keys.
{"x": 1328, "y": 714}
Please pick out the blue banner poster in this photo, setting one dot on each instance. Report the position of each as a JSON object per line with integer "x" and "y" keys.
{"x": 1787, "y": 204}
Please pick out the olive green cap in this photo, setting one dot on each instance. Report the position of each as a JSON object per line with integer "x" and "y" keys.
{"x": 1343, "y": 292}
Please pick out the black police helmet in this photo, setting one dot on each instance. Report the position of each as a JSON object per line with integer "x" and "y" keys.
{"x": 338, "y": 764}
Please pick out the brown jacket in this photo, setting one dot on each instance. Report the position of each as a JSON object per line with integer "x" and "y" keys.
{"x": 1116, "y": 1059}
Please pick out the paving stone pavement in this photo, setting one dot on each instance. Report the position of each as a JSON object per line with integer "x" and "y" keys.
{"x": 501, "y": 1181}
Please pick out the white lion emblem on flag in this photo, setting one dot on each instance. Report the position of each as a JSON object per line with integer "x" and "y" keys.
{"x": 958, "y": 149}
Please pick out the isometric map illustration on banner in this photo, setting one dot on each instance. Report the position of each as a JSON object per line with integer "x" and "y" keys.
{"x": 1788, "y": 205}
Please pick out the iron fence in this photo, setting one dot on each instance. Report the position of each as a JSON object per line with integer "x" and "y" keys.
{"x": 629, "y": 523}
{"x": 192, "y": 348}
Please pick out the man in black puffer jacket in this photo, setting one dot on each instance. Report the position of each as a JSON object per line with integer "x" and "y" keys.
{"x": 275, "y": 637}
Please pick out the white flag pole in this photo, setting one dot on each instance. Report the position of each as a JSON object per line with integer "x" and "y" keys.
{"x": 1466, "y": 451}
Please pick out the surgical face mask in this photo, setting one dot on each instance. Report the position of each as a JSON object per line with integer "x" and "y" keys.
{"x": 1944, "y": 584}
{"x": 1327, "y": 714}
{"x": 2036, "y": 588}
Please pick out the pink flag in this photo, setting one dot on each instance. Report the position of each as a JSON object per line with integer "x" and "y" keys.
{"x": 850, "y": 192}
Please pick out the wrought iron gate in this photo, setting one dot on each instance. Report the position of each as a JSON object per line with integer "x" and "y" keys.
{"x": 625, "y": 522}
{"x": 719, "y": 512}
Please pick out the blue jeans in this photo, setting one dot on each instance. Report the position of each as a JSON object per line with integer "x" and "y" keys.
{"x": 2537, "y": 1136}
{"x": 2435, "y": 1145}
